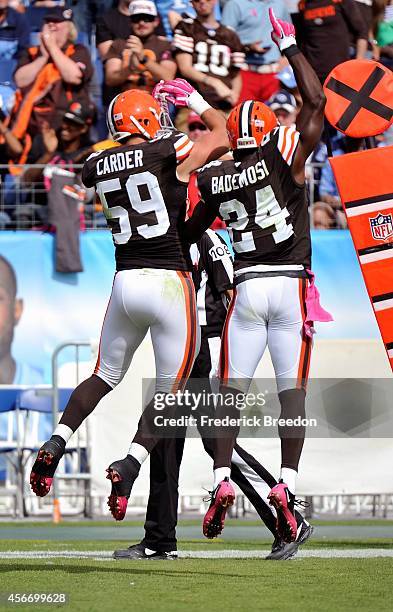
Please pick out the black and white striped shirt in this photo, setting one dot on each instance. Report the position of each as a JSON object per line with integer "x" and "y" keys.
{"x": 212, "y": 275}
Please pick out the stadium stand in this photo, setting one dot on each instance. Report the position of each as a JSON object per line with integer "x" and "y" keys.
{"x": 95, "y": 20}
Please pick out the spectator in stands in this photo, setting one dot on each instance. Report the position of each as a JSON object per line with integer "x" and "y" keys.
{"x": 210, "y": 56}
{"x": 283, "y": 104}
{"x": 323, "y": 216}
{"x": 116, "y": 24}
{"x": 323, "y": 32}
{"x": 251, "y": 22}
{"x": 10, "y": 146}
{"x": 14, "y": 32}
{"x": 383, "y": 32}
{"x": 87, "y": 11}
{"x": 113, "y": 24}
{"x": 196, "y": 127}
{"x": 63, "y": 150}
{"x": 366, "y": 10}
{"x": 68, "y": 145}
{"x": 11, "y": 309}
{"x": 51, "y": 75}
{"x": 144, "y": 58}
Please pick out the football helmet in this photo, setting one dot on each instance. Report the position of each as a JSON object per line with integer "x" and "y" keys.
{"x": 248, "y": 123}
{"x": 133, "y": 112}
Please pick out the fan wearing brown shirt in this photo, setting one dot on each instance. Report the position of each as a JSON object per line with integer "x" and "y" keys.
{"x": 324, "y": 28}
{"x": 209, "y": 55}
{"x": 144, "y": 58}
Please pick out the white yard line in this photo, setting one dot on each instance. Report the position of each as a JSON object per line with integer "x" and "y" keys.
{"x": 103, "y": 555}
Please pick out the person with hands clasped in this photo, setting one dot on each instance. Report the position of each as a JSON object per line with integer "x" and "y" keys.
{"x": 144, "y": 58}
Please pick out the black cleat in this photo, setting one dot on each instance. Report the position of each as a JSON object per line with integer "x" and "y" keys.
{"x": 122, "y": 474}
{"x": 44, "y": 468}
{"x": 281, "y": 550}
{"x": 137, "y": 552}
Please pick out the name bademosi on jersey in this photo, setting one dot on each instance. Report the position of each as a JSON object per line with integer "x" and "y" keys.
{"x": 264, "y": 208}
{"x": 143, "y": 200}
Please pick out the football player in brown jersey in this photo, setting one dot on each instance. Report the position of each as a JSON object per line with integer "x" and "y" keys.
{"x": 262, "y": 198}
{"x": 142, "y": 185}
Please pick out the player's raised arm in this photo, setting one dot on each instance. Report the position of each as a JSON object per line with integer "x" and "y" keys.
{"x": 310, "y": 119}
{"x": 214, "y": 144}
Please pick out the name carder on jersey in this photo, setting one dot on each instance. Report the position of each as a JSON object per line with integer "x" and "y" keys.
{"x": 143, "y": 200}
{"x": 264, "y": 208}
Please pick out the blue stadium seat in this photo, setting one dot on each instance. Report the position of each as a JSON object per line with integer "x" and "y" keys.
{"x": 34, "y": 39}
{"x": 83, "y": 39}
{"x": 7, "y": 68}
{"x": 34, "y": 399}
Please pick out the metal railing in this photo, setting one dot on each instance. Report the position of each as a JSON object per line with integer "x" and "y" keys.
{"x": 23, "y": 205}
{"x": 79, "y": 475}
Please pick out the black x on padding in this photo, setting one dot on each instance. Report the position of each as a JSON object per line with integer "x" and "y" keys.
{"x": 360, "y": 99}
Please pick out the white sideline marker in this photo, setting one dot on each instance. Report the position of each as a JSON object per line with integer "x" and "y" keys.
{"x": 105, "y": 555}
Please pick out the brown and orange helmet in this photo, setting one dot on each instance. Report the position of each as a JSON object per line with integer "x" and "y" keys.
{"x": 133, "y": 112}
{"x": 248, "y": 123}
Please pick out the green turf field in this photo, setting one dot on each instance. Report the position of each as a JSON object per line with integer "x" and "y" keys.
{"x": 191, "y": 584}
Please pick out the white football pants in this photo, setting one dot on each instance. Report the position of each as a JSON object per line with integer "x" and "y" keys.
{"x": 266, "y": 311}
{"x": 162, "y": 301}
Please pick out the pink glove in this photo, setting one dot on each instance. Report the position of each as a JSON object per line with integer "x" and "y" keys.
{"x": 181, "y": 93}
{"x": 157, "y": 90}
{"x": 177, "y": 91}
{"x": 283, "y": 33}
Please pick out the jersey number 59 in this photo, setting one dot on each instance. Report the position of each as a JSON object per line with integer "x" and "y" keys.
{"x": 154, "y": 204}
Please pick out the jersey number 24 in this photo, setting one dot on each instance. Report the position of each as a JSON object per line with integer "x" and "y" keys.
{"x": 268, "y": 216}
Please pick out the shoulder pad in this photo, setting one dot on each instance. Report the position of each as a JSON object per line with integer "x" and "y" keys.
{"x": 95, "y": 153}
{"x": 212, "y": 164}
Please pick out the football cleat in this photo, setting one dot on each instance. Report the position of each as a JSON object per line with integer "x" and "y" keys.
{"x": 283, "y": 501}
{"x": 281, "y": 550}
{"x": 221, "y": 498}
{"x": 122, "y": 474}
{"x": 137, "y": 552}
{"x": 44, "y": 468}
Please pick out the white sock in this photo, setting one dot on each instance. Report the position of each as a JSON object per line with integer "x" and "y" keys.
{"x": 138, "y": 452}
{"x": 289, "y": 477}
{"x": 220, "y": 474}
{"x": 64, "y": 432}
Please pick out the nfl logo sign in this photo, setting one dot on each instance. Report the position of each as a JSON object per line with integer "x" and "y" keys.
{"x": 381, "y": 226}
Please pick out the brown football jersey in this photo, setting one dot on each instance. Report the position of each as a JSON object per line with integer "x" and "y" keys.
{"x": 144, "y": 201}
{"x": 215, "y": 52}
{"x": 156, "y": 48}
{"x": 266, "y": 212}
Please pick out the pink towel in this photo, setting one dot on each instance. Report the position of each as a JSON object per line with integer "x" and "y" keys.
{"x": 314, "y": 310}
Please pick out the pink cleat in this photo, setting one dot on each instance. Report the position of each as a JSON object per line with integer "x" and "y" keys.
{"x": 221, "y": 498}
{"x": 283, "y": 501}
{"x": 122, "y": 474}
{"x": 43, "y": 470}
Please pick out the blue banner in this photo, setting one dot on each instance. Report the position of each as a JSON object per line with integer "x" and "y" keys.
{"x": 52, "y": 308}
